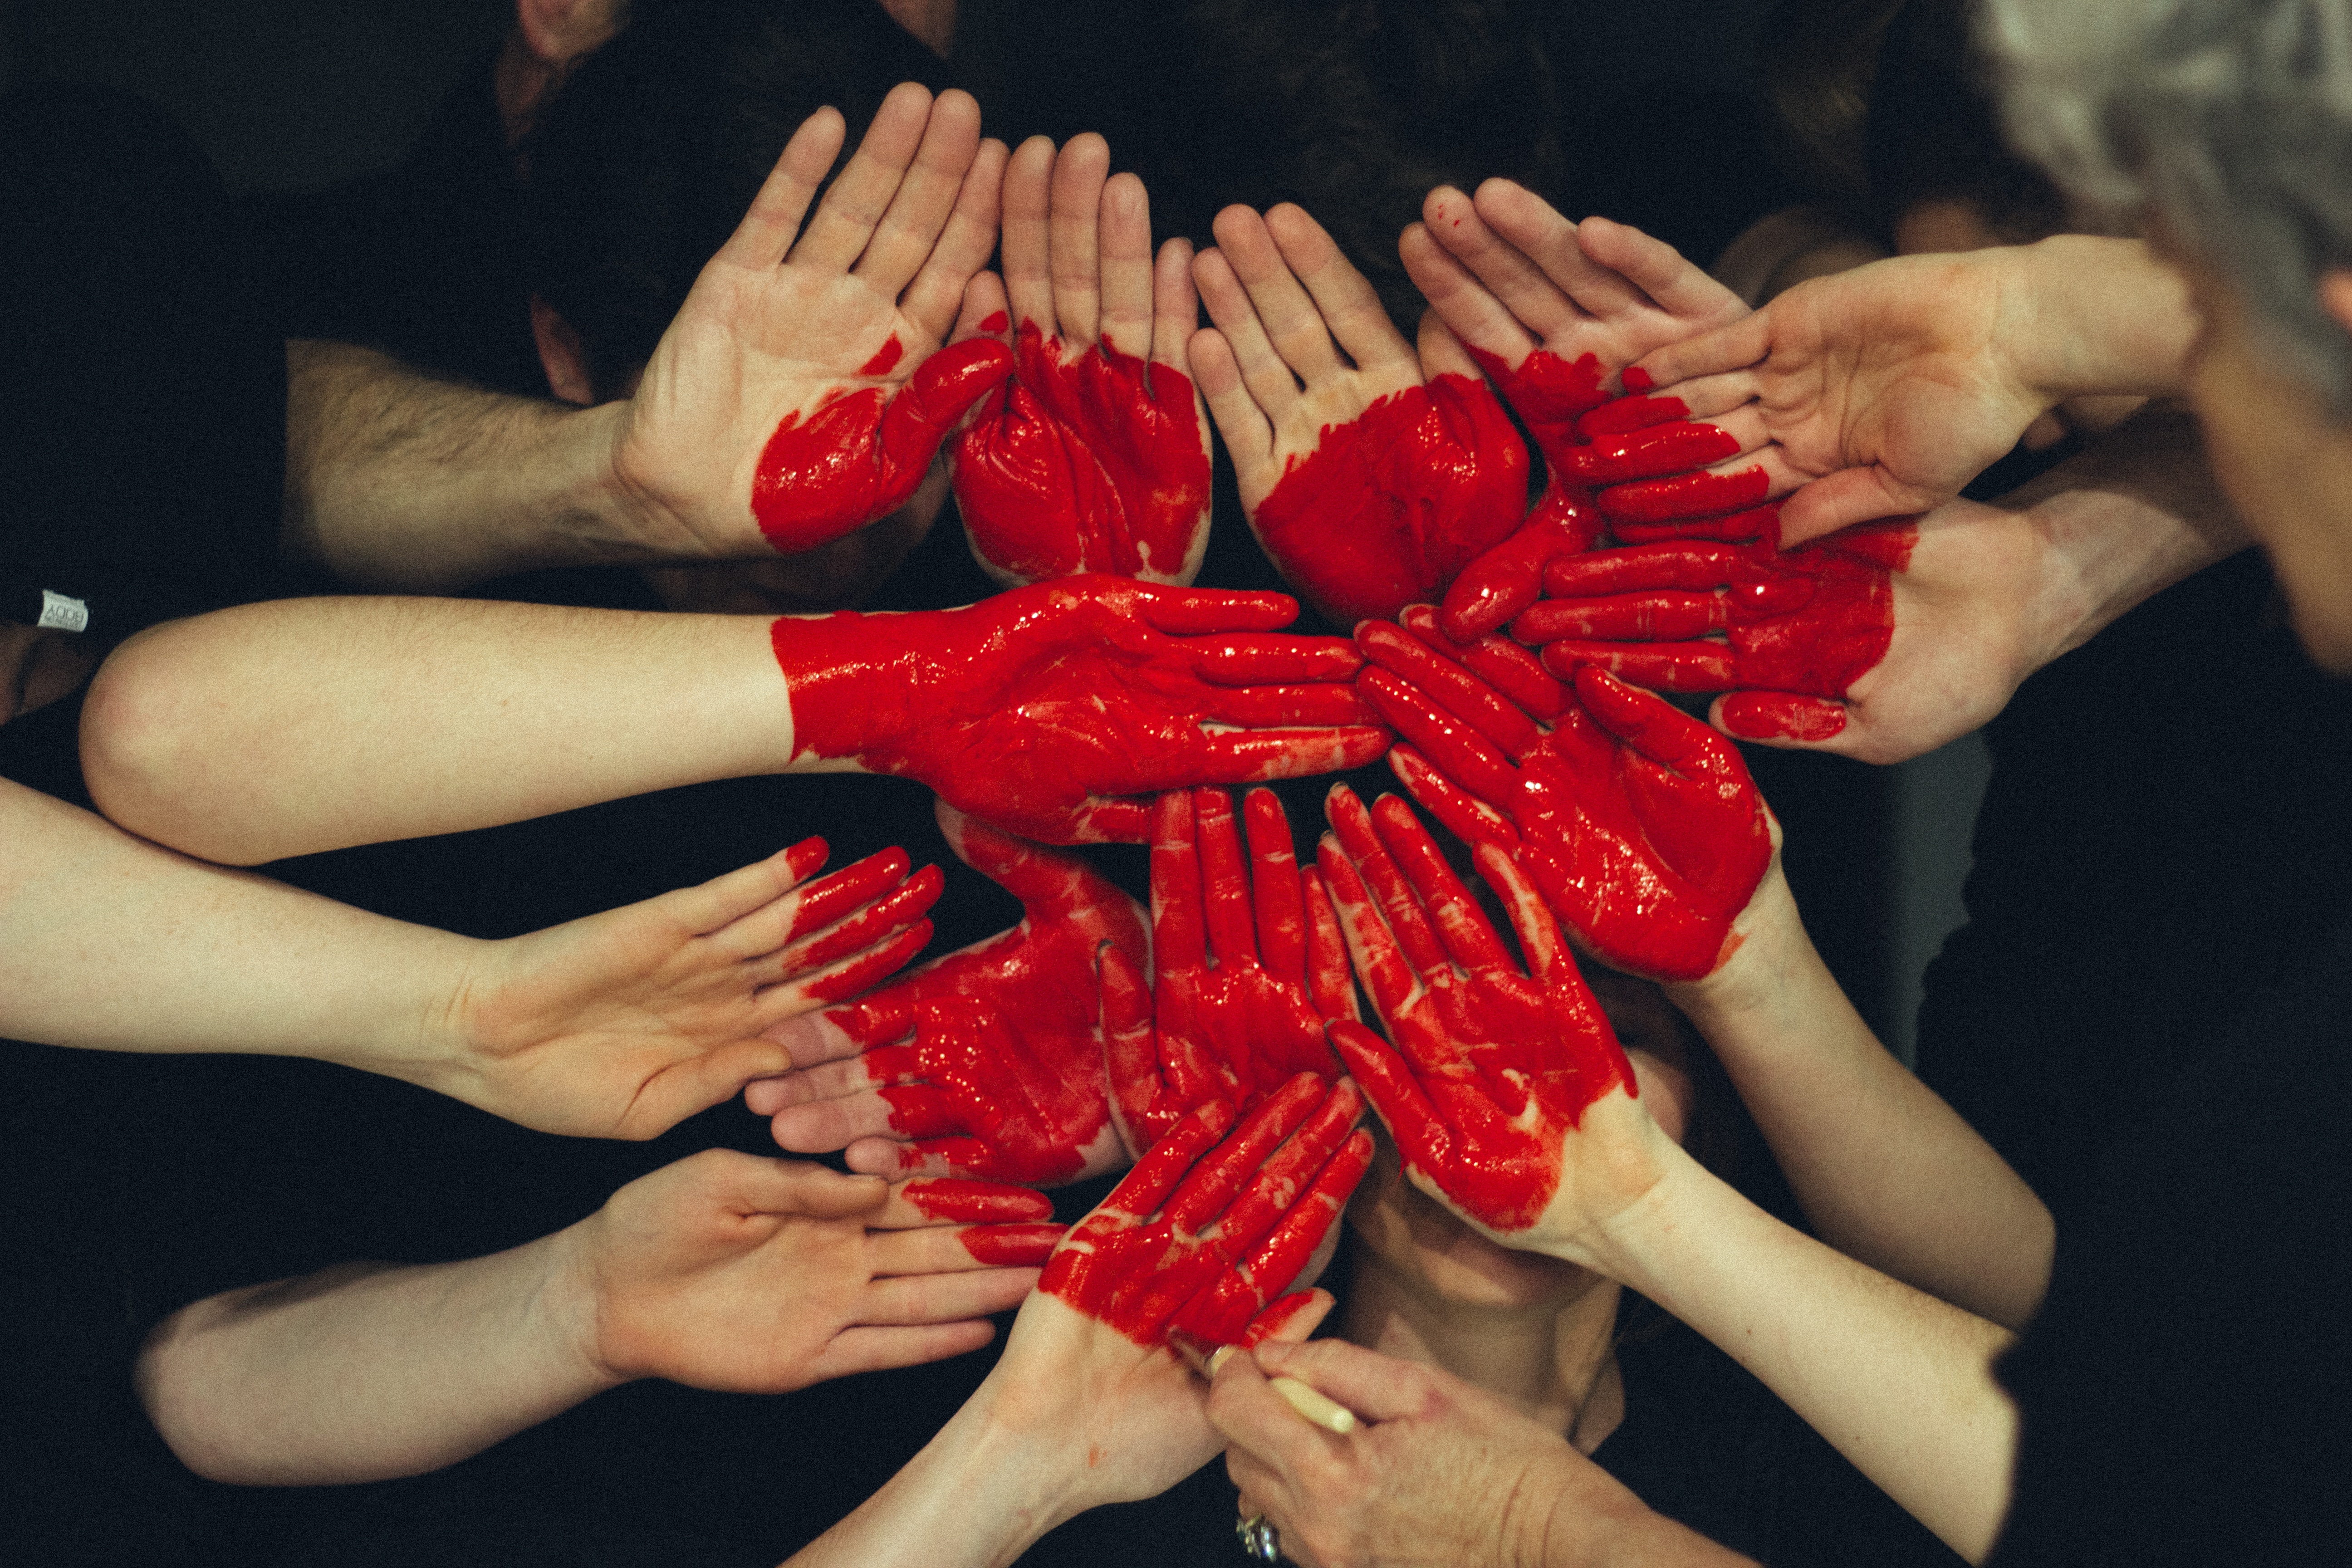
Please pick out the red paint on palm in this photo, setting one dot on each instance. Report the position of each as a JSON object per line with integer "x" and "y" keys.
{"x": 1004, "y": 1077}
{"x": 1203, "y": 1234}
{"x": 1096, "y": 463}
{"x": 1810, "y": 621}
{"x": 1639, "y": 824}
{"x": 1389, "y": 508}
{"x": 1047, "y": 711}
{"x": 1246, "y": 958}
{"x": 861, "y": 452}
{"x": 1494, "y": 1067}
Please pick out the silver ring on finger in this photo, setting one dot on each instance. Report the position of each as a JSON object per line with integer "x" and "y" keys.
{"x": 1260, "y": 1541}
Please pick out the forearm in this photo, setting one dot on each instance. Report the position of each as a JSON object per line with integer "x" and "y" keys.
{"x": 1886, "y": 1172}
{"x": 395, "y": 481}
{"x": 108, "y": 943}
{"x": 369, "y": 1372}
{"x": 1900, "y": 1383}
{"x": 309, "y": 724}
{"x": 2089, "y": 314}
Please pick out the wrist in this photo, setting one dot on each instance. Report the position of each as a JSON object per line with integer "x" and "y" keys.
{"x": 861, "y": 685}
{"x": 1767, "y": 945}
{"x": 571, "y": 1310}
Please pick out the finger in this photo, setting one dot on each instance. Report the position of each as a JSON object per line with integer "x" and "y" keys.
{"x": 932, "y": 300}
{"x": 1026, "y": 240}
{"x": 1535, "y": 229}
{"x": 839, "y": 982}
{"x": 1180, "y": 938}
{"x": 1737, "y": 527}
{"x": 1657, "y": 667}
{"x": 1349, "y": 307}
{"x": 986, "y": 312}
{"x": 1652, "y": 451}
{"x": 1376, "y": 1387}
{"x": 1845, "y": 498}
{"x": 1263, "y": 756}
{"x": 1290, "y": 1318}
{"x": 941, "y": 1201}
{"x": 1519, "y": 281}
{"x": 858, "y": 1349}
{"x": 1268, "y": 381}
{"x": 1295, "y": 335}
{"x": 1283, "y": 707}
{"x": 1398, "y": 904}
{"x": 917, "y": 217}
{"x": 1128, "y": 282}
{"x": 863, "y": 927}
{"x": 853, "y": 208}
{"x": 904, "y": 1253}
{"x": 1654, "y": 727}
{"x": 1680, "y": 286}
{"x": 1595, "y": 572}
{"x": 1734, "y": 346}
{"x": 1540, "y": 942}
{"x": 1074, "y": 243}
{"x": 1388, "y": 1080}
{"x": 1468, "y": 758}
{"x": 935, "y": 399}
{"x": 1252, "y": 660}
{"x": 1274, "y": 892}
{"x": 1183, "y": 612}
{"x": 1501, "y": 663}
{"x": 1220, "y": 1176}
{"x": 1466, "y": 817}
{"x": 696, "y": 1083}
{"x": 1387, "y": 977}
{"x": 1508, "y": 577}
{"x": 907, "y": 1300}
{"x": 1248, "y": 433}
{"x": 1779, "y": 718}
{"x": 1658, "y": 615}
{"x": 757, "y": 1184}
{"x": 766, "y": 232}
{"x": 1706, "y": 493}
{"x": 1111, "y": 819}
{"x": 1050, "y": 885}
{"x": 712, "y": 906}
{"x": 829, "y": 1125}
{"x": 1144, "y": 1189}
{"x": 1469, "y": 940}
{"x": 1224, "y": 880}
{"x": 1453, "y": 292}
{"x": 1330, "y": 986}
{"x": 1443, "y": 354}
{"x": 1175, "y": 305}
{"x": 1413, "y": 664}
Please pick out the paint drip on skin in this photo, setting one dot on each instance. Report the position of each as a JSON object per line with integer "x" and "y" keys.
{"x": 884, "y": 358}
{"x": 1390, "y": 507}
{"x": 1098, "y": 464}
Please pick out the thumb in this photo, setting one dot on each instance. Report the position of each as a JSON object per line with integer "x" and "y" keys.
{"x": 939, "y": 392}
{"x": 1779, "y": 718}
{"x": 698, "y": 1083}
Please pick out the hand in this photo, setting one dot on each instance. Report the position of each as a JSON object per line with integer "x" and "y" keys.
{"x": 1552, "y": 311}
{"x": 1381, "y": 478}
{"x": 1094, "y": 456}
{"x": 1438, "y": 1472}
{"x": 1494, "y": 1073}
{"x": 987, "y": 1062}
{"x": 1641, "y": 825}
{"x": 1248, "y": 965}
{"x": 1795, "y": 628}
{"x": 746, "y": 1275}
{"x": 1046, "y": 711}
{"x": 1202, "y": 1241}
{"x": 802, "y": 393}
{"x": 624, "y": 1023}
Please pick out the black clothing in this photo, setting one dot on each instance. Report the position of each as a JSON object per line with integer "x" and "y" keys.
{"x": 2187, "y": 1389}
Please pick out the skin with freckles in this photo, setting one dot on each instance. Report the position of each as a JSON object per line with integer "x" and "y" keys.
{"x": 988, "y": 1062}
{"x": 1493, "y": 1068}
{"x": 1207, "y": 1230}
{"x": 1249, "y": 964}
{"x": 1094, "y": 456}
{"x": 1641, "y": 825}
{"x": 1806, "y": 623}
{"x": 1552, "y": 312}
{"x": 1048, "y": 709}
{"x": 1371, "y": 472}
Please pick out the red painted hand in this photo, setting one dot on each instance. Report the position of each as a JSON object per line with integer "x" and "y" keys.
{"x": 1003, "y": 1226}
{"x": 1493, "y": 1070}
{"x": 1249, "y": 964}
{"x": 1641, "y": 825}
{"x": 1047, "y": 710}
{"x": 1386, "y": 472}
{"x": 1202, "y": 1239}
{"x": 1795, "y": 628}
{"x": 987, "y": 1062}
{"x": 1095, "y": 458}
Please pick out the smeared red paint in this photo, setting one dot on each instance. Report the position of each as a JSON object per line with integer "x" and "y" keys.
{"x": 1200, "y": 1238}
{"x": 1683, "y": 496}
{"x": 953, "y": 1199}
{"x": 871, "y": 968}
{"x": 1098, "y": 464}
{"x": 1776, "y": 716}
{"x": 901, "y": 905}
{"x": 1248, "y": 965}
{"x": 1389, "y": 508}
{"x": 1004, "y": 1077}
{"x": 860, "y": 454}
{"x": 1736, "y": 527}
{"x": 1620, "y": 415}
{"x": 995, "y": 321}
{"x": 1493, "y": 1068}
{"x": 1047, "y": 710}
{"x": 1641, "y": 825}
{"x": 1649, "y": 452}
{"x": 822, "y": 903}
{"x": 1809, "y": 621}
{"x": 1549, "y": 394}
{"x": 884, "y": 358}
{"x": 1012, "y": 1246}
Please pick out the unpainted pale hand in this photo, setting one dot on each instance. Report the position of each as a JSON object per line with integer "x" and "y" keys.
{"x": 1642, "y": 827}
{"x": 1248, "y": 966}
{"x": 1094, "y": 456}
{"x": 1055, "y": 712}
{"x": 1370, "y": 473}
{"x": 987, "y": 1062}
{"x": 624, "y": 1023}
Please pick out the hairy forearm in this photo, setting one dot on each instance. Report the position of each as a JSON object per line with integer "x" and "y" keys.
{"x": 395, "y": 481}
{"x": 110, "y": 943}
{"x": 1899, "y": 1382}
{"x": 1884, "y": 1171}
{"x": 302, "y": 725}
{"x": 369, "y": 1371}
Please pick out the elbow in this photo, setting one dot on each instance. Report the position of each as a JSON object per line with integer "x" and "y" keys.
{"x": 152, "y": 734}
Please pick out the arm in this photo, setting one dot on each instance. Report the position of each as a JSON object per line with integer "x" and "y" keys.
{"x": 796, "y": 398}
{"x": 618, "y": 1025}
{"x": 1094, "y": 456}
{"x": 1045, "y": 711}
{"x": 723, "y": 1271}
